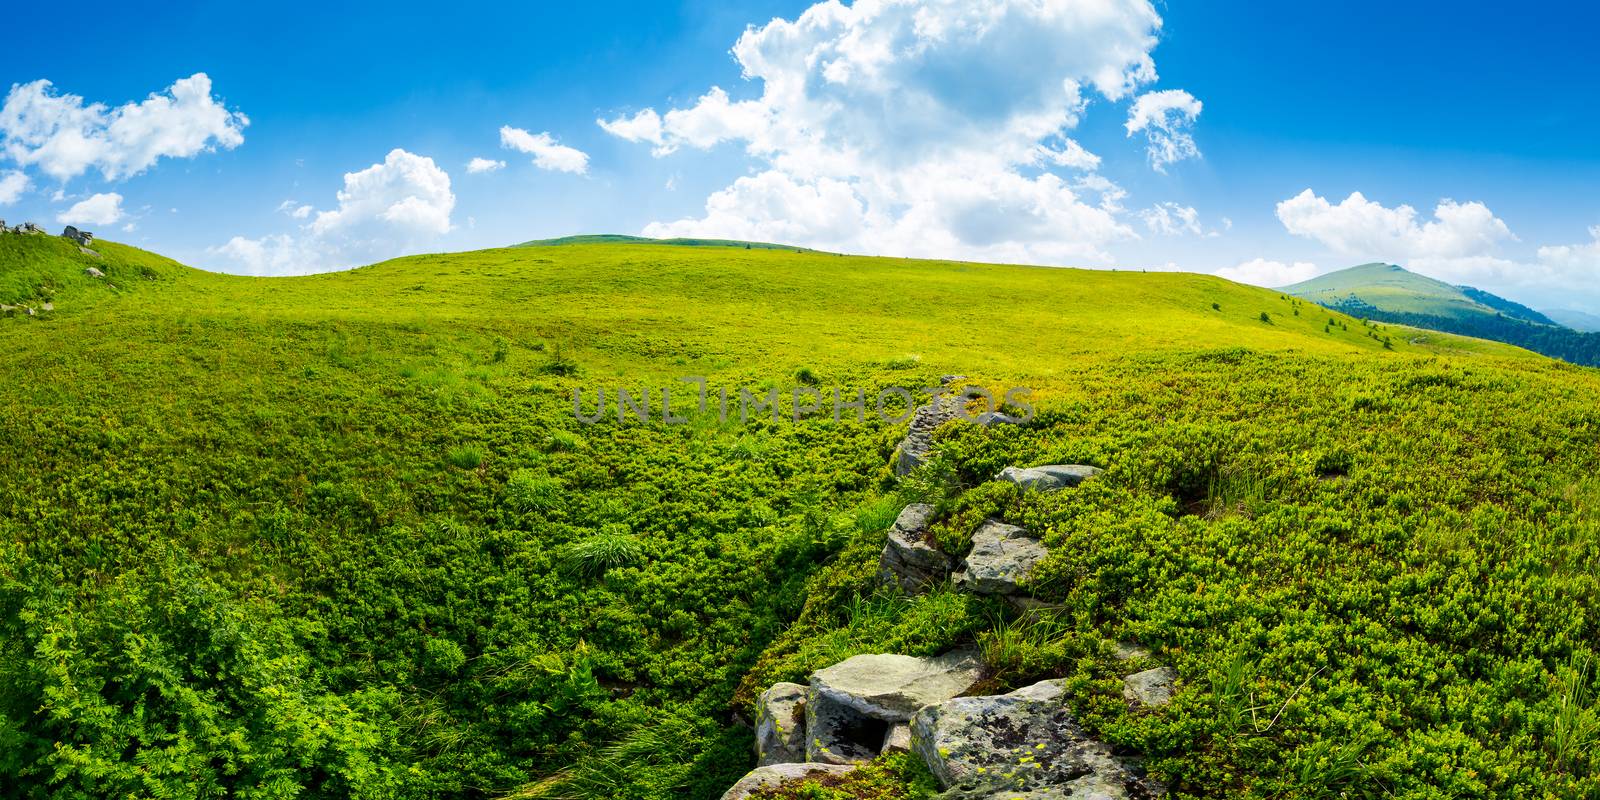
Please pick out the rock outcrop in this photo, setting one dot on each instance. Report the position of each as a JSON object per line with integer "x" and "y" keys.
{"x": 93, "y": 272}
{"x": 781, "y": 725}
{"x": 1050, "y": 477}
{"x": 1002, "y": 557}
{"x": 1023, "y": 744}
{"x": 83, "y": 238}
{"x": 911, "y": 559}
{"x": 1152, "y": 688}
{"x": 768, "y": 776}
{"x": 917, "y": 447}
{"x": 853, "y": 706}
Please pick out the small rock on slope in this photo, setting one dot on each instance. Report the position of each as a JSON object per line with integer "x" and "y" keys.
{"x": 1050, "y": 477}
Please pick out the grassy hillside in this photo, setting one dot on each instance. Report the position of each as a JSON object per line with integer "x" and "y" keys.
{"x": 341, "y": 536}
{"x": 618, "y": 238}
{"x": 1388, "y": 293}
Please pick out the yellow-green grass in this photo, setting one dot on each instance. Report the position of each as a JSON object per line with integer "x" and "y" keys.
{"x": 340, "y": 535}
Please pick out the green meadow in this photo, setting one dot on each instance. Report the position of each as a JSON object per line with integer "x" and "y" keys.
{"x": 342, "y": 536}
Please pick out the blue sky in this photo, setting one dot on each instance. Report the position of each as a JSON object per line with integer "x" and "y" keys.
{"x": 930, "y": 129}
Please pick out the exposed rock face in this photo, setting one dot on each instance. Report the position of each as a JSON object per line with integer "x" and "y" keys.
{"x": 763, "y": 777}
{"x": 910, "y": 558}
{"x": 1152, "y": 688}
{"x": 1001, "y": 559}
{"x": 93, "y": 272}
{"x": 83, "y": 238}
{"x": 1023, "y": 744}
{"x": 1048, "y": 478}
{"x": 853, "y": 705}
{"x": 781, "y": 725}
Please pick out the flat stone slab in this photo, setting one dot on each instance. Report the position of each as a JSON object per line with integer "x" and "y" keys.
{"x": 1023, "y": 744}
{"x": 1050, "y": 477}
{"x": 1002, "y": 557}
{"x": 853, "y": 706}
{"x": 769, "y": 776}
{"x": 1152, "y": 688}
{"x": 781, "y": 725}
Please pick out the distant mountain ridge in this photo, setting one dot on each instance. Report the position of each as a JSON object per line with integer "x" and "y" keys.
{"x": 1390, "y": 293}
{"x": 1576, "y": 320}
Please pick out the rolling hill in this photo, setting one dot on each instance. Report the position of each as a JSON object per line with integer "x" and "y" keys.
{"x": 343, "y": 535}
{"x": 618, "y": 238}
{"x": 1389, "y": 293}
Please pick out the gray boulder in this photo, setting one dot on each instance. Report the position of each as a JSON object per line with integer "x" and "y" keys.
{"x": 910, "y": 559}
{"x": 1024, "y": 744}
{"x": 853, "y": 705}
{"x": 83, "y": 238}
{"x": 1002, "y": 557}
{"x": 93, "y": 272}
{"x": 781, "y": 725}
{"x": 1152, "y": 688}
{"x": 1048, "y": 478}
{"x": 776, "y": 774}
{"x": 990, "y": 419}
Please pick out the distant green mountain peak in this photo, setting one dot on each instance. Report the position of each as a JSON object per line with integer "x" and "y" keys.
{"x": 1390, "y": 293}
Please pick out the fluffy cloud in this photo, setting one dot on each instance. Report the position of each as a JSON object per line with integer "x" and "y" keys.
{"x": 64, "y": 136}
{"x": 1362, "y": 228}
{"x": 546, "y": 151}
{"x": 920, "y": 128}
{"x": 1271, "y": 274}
{"x": 384, "y": 210}
{"x": 407, "y": 192}
{"x": 479, "y": 165}
{"x": 1575, "y": 256}
{"x": 12, "y": 186}
{"x": 1166, "y": 119}
{"x": 98, "y": 209}
{"x": 1171, "y": 219}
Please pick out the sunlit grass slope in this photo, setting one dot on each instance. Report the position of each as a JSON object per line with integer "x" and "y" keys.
{"x": 341, "y": 536}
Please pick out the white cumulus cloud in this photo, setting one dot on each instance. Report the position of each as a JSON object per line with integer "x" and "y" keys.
{"x": 12, "y": 186}
{"x": 401, "y": 203}
{"x": 407, "y": 192}
{"x": 546, "y": 151}
{"x": 920, "y": 127}
{"x": 1271, "y": 274}
{"x": 97, "y": 209}
{"x": 480, "y": 165}
{"x": 1166, "y": 119}
{"x": 1366, "y": 229}
{"x": 64, "y": 136}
